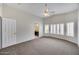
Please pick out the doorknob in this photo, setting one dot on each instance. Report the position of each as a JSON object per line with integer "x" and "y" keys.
{"x": 14, "y": 33}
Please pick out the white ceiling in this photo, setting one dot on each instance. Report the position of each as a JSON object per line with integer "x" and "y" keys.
{"x": 38, "y": 8}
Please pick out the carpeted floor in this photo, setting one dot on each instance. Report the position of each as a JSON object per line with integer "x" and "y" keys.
{"x": 42, "y": 46}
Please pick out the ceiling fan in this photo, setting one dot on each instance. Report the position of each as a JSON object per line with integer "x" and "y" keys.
{"x": 47, "y": 12}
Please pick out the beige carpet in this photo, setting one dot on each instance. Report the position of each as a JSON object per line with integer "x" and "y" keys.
{"x": 42, "y": 46}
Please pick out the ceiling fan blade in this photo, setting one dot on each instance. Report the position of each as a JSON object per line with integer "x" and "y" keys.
{"x": 52, "y": 11}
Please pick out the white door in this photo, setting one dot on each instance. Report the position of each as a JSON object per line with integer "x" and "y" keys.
{"x": 12, "y": 30}
{"x": 8, "y": 32}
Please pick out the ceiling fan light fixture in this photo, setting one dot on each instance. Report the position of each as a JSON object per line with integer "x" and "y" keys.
{"x": 46, "y": 14}
{"x": 46, "y": 11}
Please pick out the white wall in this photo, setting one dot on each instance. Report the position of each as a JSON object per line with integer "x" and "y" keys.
{"x": 0, "y": 9}
{"x": 64, "y": 18}
{"x": 24, "y": 23}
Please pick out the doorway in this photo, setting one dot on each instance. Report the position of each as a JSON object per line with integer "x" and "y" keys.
{"x": 36, "y": 31}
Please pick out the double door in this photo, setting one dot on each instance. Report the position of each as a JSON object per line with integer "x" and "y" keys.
{"x": 8, "y": 32}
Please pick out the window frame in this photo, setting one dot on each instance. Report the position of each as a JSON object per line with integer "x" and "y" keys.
{"x": 57, "y": 29}
{"x": 70, "y": 29}
{"x": 62, "y": 29}
{"x": 46, "y": 29}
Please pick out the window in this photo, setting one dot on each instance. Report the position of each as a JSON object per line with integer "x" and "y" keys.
{"x": 51, "y": 28}
{"x": 57, "y": 29}
{"x": 46, "y": 28}
{"x": 70, "y": 29}
{"x": 62, "y": 29}
{"x": 54, "y": 28}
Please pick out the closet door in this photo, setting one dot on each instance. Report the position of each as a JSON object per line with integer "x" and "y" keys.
{"x": 4, "y": 33}
{"x": 0, "y": 33}
{"x": 12, "y": 30}
{"x": 8, "y": 32}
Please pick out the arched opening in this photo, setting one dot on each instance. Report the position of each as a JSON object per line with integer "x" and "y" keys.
{"x": 36, "y": 31}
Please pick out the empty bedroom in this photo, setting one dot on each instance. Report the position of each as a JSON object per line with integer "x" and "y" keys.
{"x": 39, "y": 29}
